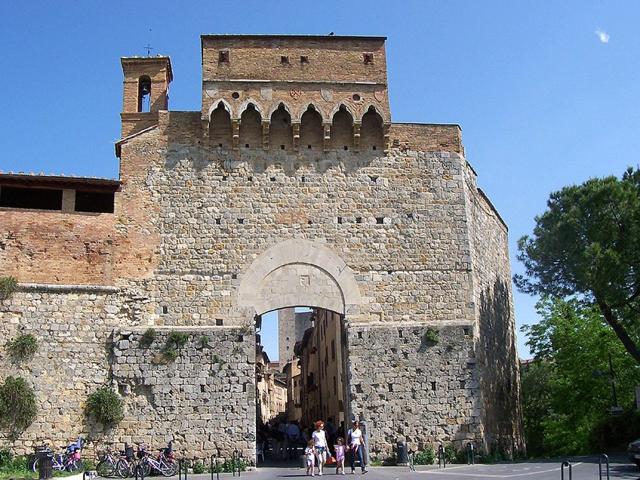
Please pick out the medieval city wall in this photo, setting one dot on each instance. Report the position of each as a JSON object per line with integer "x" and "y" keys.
{"x": 494, "y": 322}
{"x": 423, "y": 244}
{"x": 408, "y": 388}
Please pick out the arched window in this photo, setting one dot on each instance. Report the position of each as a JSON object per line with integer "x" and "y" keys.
{"x": 342, "y": 130}
{"x": 250, "y": 128}
{"x": 311, "y": 131}
{"x": 371, "y": 131}
{"x": 220, "y": 132}
{"x": 144, "y": 94}
{"x": 281, "y": 131}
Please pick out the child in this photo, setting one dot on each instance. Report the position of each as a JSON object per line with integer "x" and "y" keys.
{"x": 310, "y": 454}
{"x": 340, "y": 449}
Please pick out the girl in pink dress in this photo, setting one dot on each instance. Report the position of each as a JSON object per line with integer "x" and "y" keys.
{"x": 340, "y": 449}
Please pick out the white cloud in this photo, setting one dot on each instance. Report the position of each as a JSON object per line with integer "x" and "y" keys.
{"x": 602, "y": 35}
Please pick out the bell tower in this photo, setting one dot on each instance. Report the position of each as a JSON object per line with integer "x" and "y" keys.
{"x": 145, "y": 91}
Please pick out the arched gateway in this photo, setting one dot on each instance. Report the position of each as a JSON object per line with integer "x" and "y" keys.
{"x": 299, "y": 273}
{"x": 288, "y": 186}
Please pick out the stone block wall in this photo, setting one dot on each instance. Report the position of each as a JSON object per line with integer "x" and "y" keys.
{"x": 204, "y": 400}
{"x": 494, "y": 323}
{"x": 73, "y": 328}
{"x": 409, "y": 389}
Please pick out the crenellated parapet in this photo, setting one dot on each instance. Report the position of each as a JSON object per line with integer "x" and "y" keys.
{"x": 306, "y": 92}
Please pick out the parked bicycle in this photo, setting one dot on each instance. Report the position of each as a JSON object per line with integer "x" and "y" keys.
{"x": 68, "y": 461}
{"x": 116, "y": 465}
{"x": 165, "y": 463}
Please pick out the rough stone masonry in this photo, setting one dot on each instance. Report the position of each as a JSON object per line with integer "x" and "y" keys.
{"x": 290, "y": 186}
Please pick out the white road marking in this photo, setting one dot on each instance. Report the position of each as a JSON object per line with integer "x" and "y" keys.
{"x": 487, "y": 475}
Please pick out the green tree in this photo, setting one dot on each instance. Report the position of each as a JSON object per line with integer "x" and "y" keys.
{"x": 567, "y": 390}
{"x": 587, "y": 246}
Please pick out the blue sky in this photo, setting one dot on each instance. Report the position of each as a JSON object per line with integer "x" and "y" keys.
{"x": 543, "y": 99}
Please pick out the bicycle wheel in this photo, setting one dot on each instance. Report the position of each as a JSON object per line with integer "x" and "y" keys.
{"x": 146, "y": 467}
{"x": 168, "y": 468}
{"x": 36, "y": 465}
{"x": 74, "y": 466}
{"x": 123, "y": 469}
{"x": 106, "y": 468}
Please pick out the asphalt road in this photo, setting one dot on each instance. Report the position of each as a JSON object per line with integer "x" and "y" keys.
{"x": 585, "y": 468}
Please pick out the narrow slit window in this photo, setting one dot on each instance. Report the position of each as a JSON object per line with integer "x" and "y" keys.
{"x": 144, "y": 94}
{"x": 223, "y": 56}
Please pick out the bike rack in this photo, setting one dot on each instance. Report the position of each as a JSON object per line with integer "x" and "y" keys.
{"x": 236, "y": 463}
{"x": 441, "y": 459}
{"x": 604, "y": 457}
{"x": 566, "y": 463}
{"x": 183, "y": 469}
{"x": 214, "y": 460}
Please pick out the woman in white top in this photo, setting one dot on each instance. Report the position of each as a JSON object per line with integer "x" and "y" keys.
{"x": 357, "y": 446}
{"x": 320, "y": 444}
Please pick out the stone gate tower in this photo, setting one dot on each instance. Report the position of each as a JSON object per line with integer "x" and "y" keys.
{"x": 290, "y": 186}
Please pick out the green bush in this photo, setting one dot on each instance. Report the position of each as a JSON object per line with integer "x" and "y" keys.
{"x": 5, "y": 458}
{"x": 198, "y": 467}
{"x": 615, "y": 433}
{"x": 175, "y": 341}
{"x": 450, "y": 453}
{"x": 14, "y": 467}
{"x": 203, "y": 342}
{"x": 425, "y": 457}
{"x": 432, "y": 336}
{"x": 228, "y": 466}
{"x": 105, "y": 406}
{"x": 8, "y": 285}
{"x": 18, "y": 406}
{"x": 147, "y": 338}
{"x": 22, "y": 347}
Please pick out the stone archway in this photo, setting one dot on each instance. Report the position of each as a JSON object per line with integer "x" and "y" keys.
{"x": 299, "y": 272}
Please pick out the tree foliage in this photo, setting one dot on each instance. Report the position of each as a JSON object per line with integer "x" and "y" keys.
{"x": 105, "y": 406}
{"x": 567, "y": 389}
{"x": 18, "y": 405}
{"x": 586, "y": 245}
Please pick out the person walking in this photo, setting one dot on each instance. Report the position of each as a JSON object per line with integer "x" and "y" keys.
{"x": 357, "y": 446}
{"x": 310, "y": 455}
{"x": 340, "y": 449}
{"x": 320, "y": 444}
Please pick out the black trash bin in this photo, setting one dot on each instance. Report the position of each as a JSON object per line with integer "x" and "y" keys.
{"x": 403, "y": 453}
{"x": 44, "y": 457}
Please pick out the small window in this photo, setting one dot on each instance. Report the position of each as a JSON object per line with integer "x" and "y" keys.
{"x": 241, "y": 221}
{"x": 94, "y": 202}
{"x": 218, "y": 221}
{"x": 380, "y": 220}
{"x": 339, "y": 219}
{"x": 304, "y": 59}
{"x": 219, "y": 322}
{"x": 358, "y": 219}
{"x": 284, "y": 59}
{"x": 40, "y": 198}
{"x": 235, "y": 95}
{"x": 223, "y": 56}
{"x": 368, "y": 58}
{"x": 165, "y": 309}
